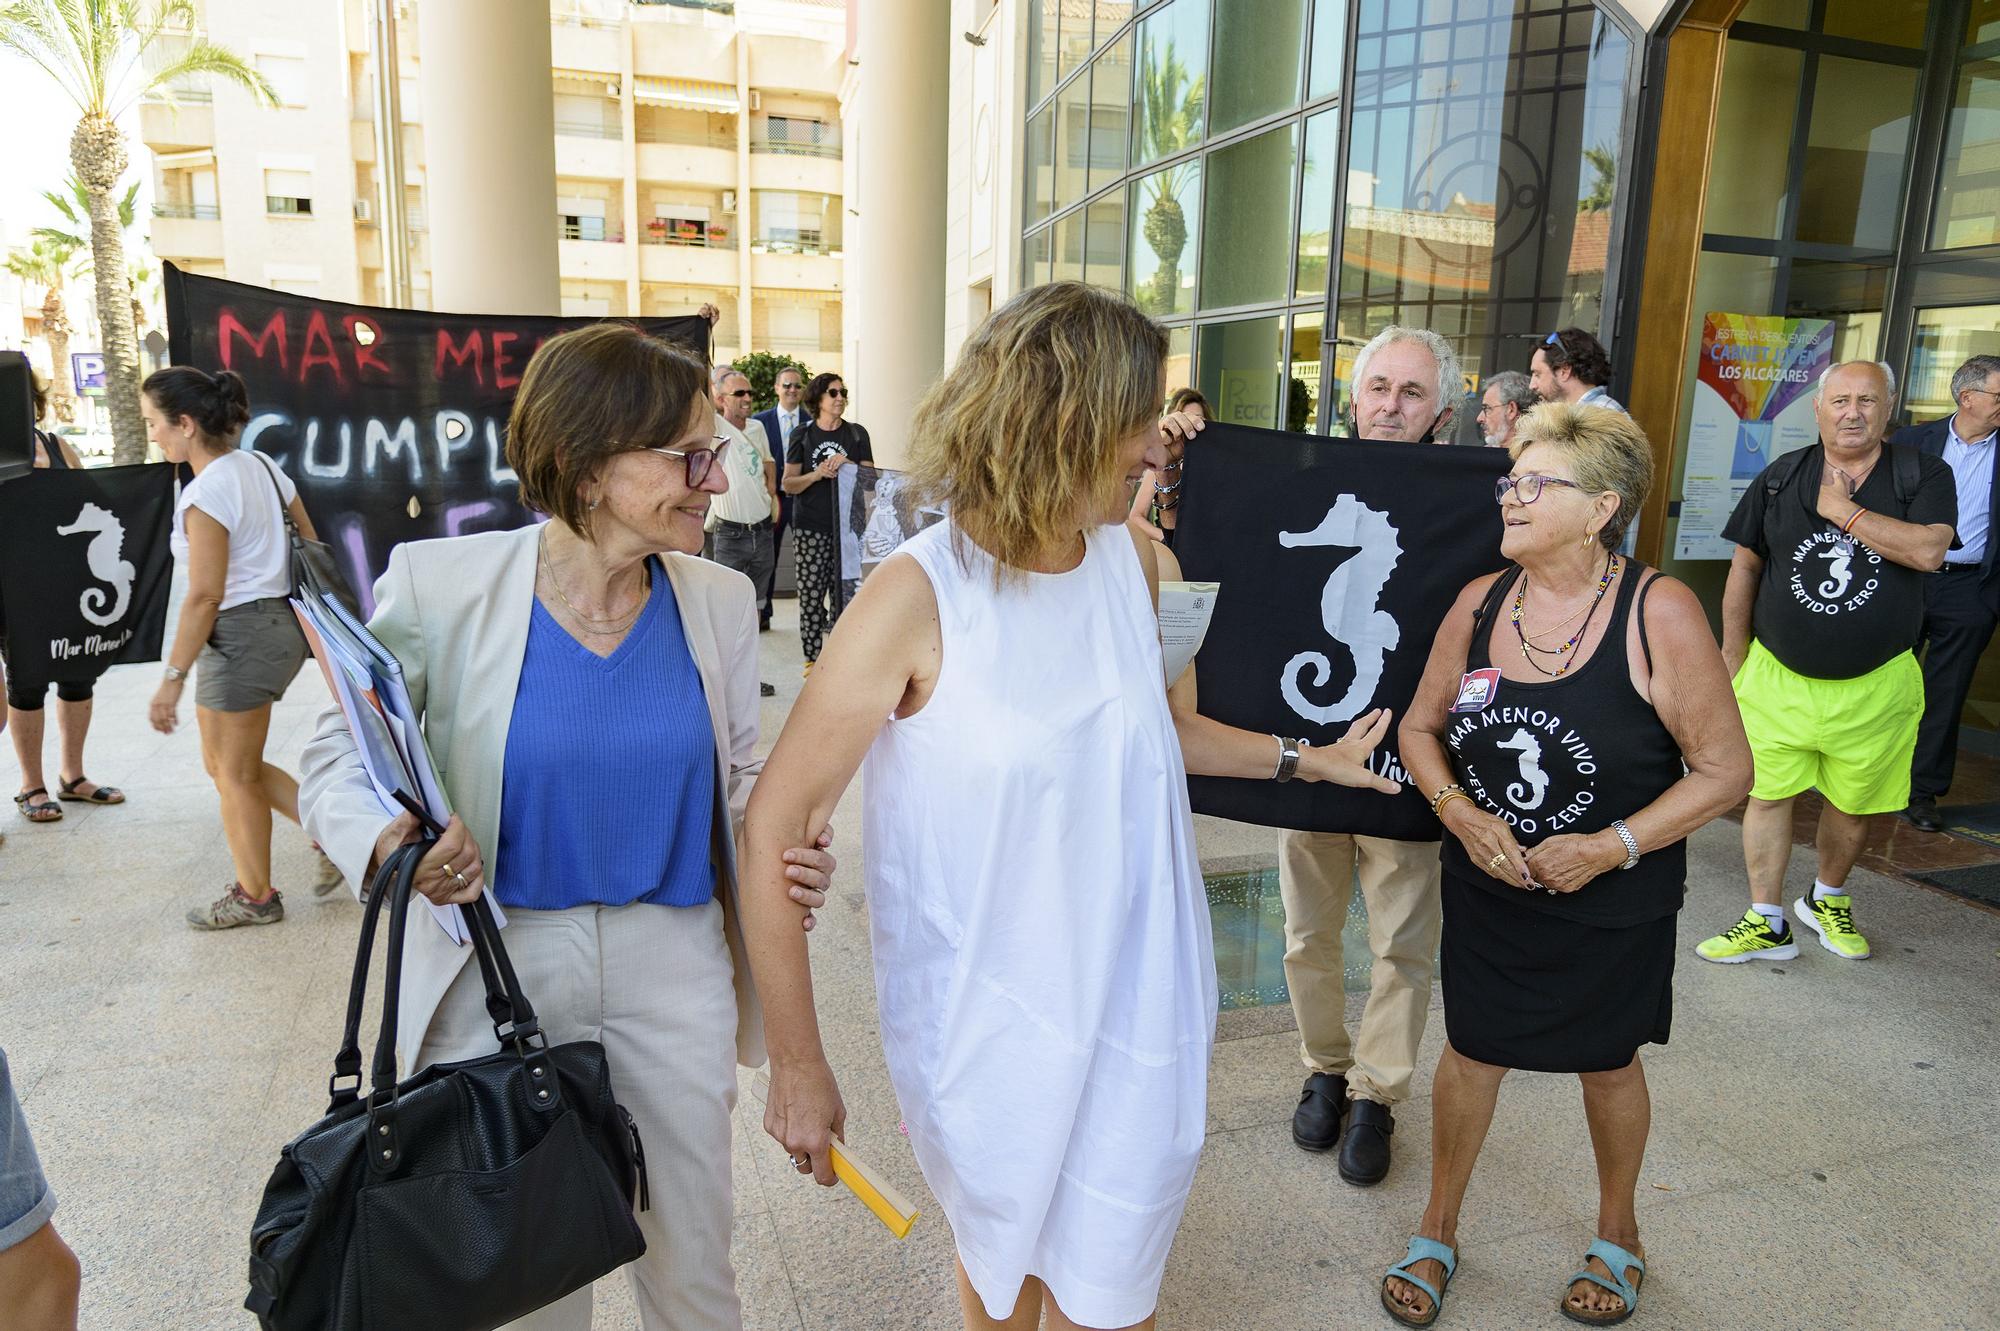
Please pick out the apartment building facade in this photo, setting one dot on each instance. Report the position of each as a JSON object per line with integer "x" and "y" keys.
{"x": 698, "y": 161}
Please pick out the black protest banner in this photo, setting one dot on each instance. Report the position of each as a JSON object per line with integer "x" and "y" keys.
{"x": 84, "y": 569}
{"x": 1338, "y": 560}
{"x": 392, "y": 422}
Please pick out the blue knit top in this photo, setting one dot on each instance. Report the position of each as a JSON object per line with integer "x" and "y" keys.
{"x": 609, "y": 789}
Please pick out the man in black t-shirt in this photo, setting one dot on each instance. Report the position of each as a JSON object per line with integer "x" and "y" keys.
{"x": 1825, "y": 601}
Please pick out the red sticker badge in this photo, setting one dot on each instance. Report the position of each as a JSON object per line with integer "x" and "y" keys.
{"x": 1476, "y": 689}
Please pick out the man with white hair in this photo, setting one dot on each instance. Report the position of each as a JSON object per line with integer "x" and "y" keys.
{"x": 1962, "y": 603}
{"x": 1505, "y": 396}
{"x": 739, "y": 519}
{"x": 1824, "y": 603}
{"x": 1406, "y": 383}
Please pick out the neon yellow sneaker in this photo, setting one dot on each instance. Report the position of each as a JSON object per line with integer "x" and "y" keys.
{"x": 1750, "y": 940}
{"x": 1832, "y": 918}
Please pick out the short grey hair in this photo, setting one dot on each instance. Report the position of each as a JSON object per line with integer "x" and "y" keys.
{"x": 1973, "y": 374}
{"x": 1514, "y": 387}
{"x": 1451, "y": 380}
{"x": 1888, "y": 376}
{"x": 722, "y": 374}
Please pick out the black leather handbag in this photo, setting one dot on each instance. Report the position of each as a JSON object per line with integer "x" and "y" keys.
{"x": 312, "y": 562}
{"x": 460, "y": 1199}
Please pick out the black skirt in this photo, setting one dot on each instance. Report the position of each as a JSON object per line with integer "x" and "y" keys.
{"x": 1530, "y": 990}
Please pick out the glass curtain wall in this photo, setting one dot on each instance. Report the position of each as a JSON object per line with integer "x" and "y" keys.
{"x": 1276, "y": 180}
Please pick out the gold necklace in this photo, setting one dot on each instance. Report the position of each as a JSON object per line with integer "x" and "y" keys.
{"x": 617, "y": 623}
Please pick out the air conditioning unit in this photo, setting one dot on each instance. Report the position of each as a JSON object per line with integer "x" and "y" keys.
{"x": 729, "y": 201}
{"x": 364, "y": 210}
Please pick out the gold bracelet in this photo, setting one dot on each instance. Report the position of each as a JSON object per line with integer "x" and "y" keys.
{"x": 1449, "y": 796}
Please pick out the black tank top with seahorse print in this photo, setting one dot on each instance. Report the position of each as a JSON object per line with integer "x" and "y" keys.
{"x": 1568, "y": 755}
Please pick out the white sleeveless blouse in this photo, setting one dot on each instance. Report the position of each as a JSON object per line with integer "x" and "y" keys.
{"x": 1043, "y": 961}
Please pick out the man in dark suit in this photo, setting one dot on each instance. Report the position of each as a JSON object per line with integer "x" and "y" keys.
{"x": 1962, "y": 599}
{"x": 779, "y": 422}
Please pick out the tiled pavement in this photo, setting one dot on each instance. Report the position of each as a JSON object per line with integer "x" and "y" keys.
{"x": 1823, "y": 1152}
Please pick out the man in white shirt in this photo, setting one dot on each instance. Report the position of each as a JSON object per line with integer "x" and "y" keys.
{"x": 1572, "y": 366}
{"x": 1962, "y": 599}
{"x": 739, "y": 519}
{"x": 779, "y": 422}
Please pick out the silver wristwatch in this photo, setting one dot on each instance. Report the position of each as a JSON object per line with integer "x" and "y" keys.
{"x": 1288, "y": 759}
{"x": 176, "y": 674}
{"x": 1631, "y": 843}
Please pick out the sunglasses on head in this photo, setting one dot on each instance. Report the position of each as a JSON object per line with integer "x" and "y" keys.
{"x": 1555, "y": 340}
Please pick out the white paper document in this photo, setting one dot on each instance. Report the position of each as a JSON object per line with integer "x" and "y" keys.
{"x": 1185, "y": 611}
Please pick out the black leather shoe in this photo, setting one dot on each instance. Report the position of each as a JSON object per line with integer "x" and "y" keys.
{"x": 1364, "y": 1152}
{"x": 1923, "y": 814}
{"x": 1316, "y": 1122}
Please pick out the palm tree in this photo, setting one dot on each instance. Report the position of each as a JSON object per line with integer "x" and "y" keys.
{"x": 1170, "y": 118}
{"x": 74, "y": 205}
{"x": 1603, "y": 160}
{"x": 46, "y": 263}
{"x": 96, "y": 52}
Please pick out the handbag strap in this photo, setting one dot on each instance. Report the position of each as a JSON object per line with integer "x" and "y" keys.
{"x": 284, "y": 513}
{"x": 347, "y": 1063}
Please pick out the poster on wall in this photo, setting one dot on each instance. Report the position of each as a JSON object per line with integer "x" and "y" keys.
{"x": 1754, "y": 383}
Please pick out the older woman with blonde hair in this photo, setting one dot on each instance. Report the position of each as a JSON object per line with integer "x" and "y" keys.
{"x": 1042, "y": 956}
{"x": 1574, "y": 725}
{"x": 589, "y": 692}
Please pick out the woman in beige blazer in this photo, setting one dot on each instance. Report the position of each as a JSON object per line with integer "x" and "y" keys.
{"x": 589, "y": 694}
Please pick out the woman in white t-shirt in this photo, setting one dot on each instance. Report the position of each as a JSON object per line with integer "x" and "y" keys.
{"x": 236, "y": 624}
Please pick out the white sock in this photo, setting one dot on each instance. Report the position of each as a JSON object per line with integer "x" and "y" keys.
{"x": 1821, "y": 891}
{"x": 1774, "y": 916}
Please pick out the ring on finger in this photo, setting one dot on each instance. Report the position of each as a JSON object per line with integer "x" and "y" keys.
{"x": 449, "y": 872}
{"x": 460, "y": 879}
{"x": 1497, "y": 860}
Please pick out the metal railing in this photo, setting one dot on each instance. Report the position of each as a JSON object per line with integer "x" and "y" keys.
{"x": 584, "y": 129}
{"x": 686, "y": 138}
{"x": 796, "y": 138}
{"x": 710, "y": 241}
{"x": 183, "y": 93}
{"x": 797, "y": 243}
{"x": 565, "y": 231}
{"x": 200, "y": 211}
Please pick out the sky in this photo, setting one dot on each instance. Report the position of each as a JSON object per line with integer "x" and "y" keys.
{"x": 35, "y": 123}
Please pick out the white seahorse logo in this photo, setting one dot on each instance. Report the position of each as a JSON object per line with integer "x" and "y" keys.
{"x": 106, "y": 556}
{"x": 1527, "y": 793}
{"x": 1841, "y": 557}
{"x": 1348, "y": 607}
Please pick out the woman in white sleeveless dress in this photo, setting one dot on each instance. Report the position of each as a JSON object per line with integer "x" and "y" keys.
{"x": 1041, "y": 938}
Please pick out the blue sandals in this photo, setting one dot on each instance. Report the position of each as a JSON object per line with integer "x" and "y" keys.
{"x": 1421, "y": 1249}
{"x": 1618, "y": 1262}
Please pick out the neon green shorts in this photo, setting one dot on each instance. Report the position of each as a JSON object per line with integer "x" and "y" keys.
{"x": 1852, "y": 739}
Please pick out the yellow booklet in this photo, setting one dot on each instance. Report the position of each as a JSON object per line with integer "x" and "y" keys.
{"x": 891, "y": 1207}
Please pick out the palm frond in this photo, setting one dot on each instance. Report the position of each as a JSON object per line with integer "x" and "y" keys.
{"x": 41, "y": 31}
{"x": 205, "y": 57}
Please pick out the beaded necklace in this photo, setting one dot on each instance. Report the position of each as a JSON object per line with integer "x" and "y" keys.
{"x": 1566, "y": 650}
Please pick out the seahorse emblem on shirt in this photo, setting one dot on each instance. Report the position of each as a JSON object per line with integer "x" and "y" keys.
{"x": 1840, "y": 557}
{"x": 1349, "y": 607}
{"x": 1528, "y": 792}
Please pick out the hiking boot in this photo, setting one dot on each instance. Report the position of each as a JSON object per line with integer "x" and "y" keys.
{"x": 234, "y": 908}
{"x": 1750, "y": 940}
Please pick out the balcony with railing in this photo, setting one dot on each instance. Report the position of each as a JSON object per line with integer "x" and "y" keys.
{"x": 203, "y": 211}
{"x": 182, "y": 124}
{"x": 588, "y": 129}
{"x": 686, "y": 234}
{"x": 184, "y": 231}
{"x": 792, "y": 137}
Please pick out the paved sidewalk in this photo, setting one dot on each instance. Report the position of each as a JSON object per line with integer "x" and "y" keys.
{"x": 1823, "y": 1150}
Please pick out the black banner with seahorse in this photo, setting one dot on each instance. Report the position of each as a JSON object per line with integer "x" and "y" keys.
{"x": 84, "y": 569}
{"x": 1338, "y": 560}
{"x": 392, "y": 423}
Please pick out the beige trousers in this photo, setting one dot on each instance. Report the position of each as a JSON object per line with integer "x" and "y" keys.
{"x": 653, "y": 985}
{"x": 1399, "y": 883}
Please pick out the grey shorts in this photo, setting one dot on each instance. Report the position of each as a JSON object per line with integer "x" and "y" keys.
{"x": 253, "y": 652}
{"x": 25, "y": 1200}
